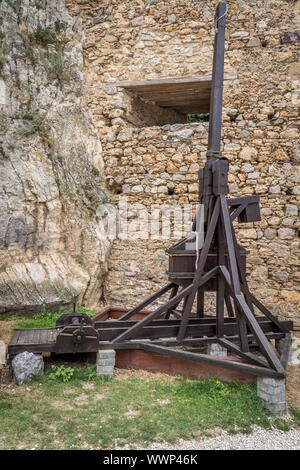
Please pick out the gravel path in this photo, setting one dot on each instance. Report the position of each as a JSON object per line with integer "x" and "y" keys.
{"x": 260, "y": 439}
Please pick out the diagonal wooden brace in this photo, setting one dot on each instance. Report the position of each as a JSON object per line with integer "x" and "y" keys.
{"x": 152, "y": 316}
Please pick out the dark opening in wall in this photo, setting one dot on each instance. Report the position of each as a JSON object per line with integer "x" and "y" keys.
{"x": 198, "y": 117}
{"x": 167, "y": 101}
{"x": 141, "y": 113}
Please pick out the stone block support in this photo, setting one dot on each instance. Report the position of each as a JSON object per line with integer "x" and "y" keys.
{"x": 272, "y": 394}
{"x": 215, "y": 349}
{"x": 106, "y": 363}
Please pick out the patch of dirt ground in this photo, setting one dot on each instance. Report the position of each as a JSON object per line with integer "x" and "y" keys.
{"x": 6, "y": 329}
{"x": 293, "y": 385}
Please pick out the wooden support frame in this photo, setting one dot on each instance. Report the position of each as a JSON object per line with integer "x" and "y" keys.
{"x": 231, "y": 282}
{"x": 229, "y": 278}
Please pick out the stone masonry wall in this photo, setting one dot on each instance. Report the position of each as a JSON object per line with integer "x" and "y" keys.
{"x": 158, "y": 164}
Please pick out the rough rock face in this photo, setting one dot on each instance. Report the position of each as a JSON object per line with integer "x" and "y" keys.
{"x": 52, "y": 248}
{"x": 25, "y": 366}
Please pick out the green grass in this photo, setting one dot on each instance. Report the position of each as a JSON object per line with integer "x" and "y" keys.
{"x": 58, "y": 65}
{"x": 295, "y": 412}
{"x": 44, "y": 35}
{"x": 134, "y": 409}
{"x": 42, "y": 320}
{"x": 4, "y": 50}
{"x": 15, "y": 5}
{"x": 200, "y": 117}
{"x": 70, "y": 408}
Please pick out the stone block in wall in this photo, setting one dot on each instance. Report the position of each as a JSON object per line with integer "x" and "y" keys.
{"x": 294, "y": 351}
{"x": 254, "y": 42}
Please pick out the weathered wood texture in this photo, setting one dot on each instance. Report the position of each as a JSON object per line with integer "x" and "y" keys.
{"x": 185, "y": 95}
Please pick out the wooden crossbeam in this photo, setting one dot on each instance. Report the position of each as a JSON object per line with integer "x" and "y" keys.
{"x": 266, "y": 324}
{"x": 165, "y": 330}
{"x": 197, "y": 357}
{"x": 238, "y": 211}
{"x": 245, "y": 355}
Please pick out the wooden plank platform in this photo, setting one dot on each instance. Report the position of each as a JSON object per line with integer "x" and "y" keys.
{"x": 34, "y": 340}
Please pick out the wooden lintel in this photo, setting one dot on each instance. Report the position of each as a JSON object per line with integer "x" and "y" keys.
{"x": 186, "y": 95}
{"x": 168, "y": 81}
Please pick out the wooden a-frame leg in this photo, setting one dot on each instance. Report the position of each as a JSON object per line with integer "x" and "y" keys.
{"x": 220, "y": 297}
{"x": 185, "y": 315}
{"x": 234, "y": 272}
{"x": 244, "y": 284}
{"x": 228, "y": 305}
{"x": 242, "y": 329}
{"x": 200, "y": 303}
{"x": 173, "y": 293}
{"x": 241, "y": 304}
